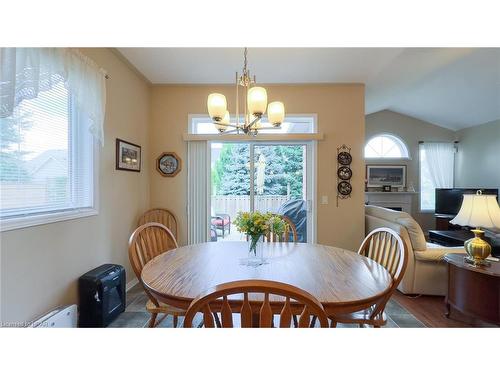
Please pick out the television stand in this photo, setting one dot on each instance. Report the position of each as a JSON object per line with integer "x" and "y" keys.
{"x": 450, "y": 238}
{"x": 443, "y": 222}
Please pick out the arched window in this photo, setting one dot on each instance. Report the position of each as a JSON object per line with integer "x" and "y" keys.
{"x": 386, "y": 146}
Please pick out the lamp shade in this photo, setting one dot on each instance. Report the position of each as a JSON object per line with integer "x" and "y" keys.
{"x": 257, "y": 101}
{"x": 478, "y": 210}
{"x": 221, "y": 126}
{"x": 276, "y": 113}
{"x": 217, "y": 106}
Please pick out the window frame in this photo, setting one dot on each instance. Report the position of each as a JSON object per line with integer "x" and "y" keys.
{"x": 30, "y": 219}
{"x": 401, "y": 143}
{"x": 196, "y": 117}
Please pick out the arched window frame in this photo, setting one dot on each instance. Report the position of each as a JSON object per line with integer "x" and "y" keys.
{"x": 400, "y": 143}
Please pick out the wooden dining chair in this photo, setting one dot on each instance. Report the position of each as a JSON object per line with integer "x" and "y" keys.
{"x": 290, "y": 232}
{"x": 147, "y": 242}
{"x": 216, "y": 299}
{"x": 162, "y": 216}
{"x": 386, "y": 247}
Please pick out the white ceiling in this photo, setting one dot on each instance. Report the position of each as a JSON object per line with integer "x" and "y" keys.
{"x": 450, "y": 87}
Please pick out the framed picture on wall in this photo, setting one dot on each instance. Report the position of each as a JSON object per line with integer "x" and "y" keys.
{"x": 168, "y": 164}
{"x": 380, "y": 175}
{"x": 128, "y": 156}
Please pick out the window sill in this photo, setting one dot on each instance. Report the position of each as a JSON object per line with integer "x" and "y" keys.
{"x": 34, "y": 220}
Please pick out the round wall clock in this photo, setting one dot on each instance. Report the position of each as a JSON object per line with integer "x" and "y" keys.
{"x": 168, "y": 164}
{"x": 344, "y": 188}
{"x": 344, "y": 158}
{"x": 344, "y": 173}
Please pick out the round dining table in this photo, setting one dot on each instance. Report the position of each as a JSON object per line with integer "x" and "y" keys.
{"x": 342, "y": 280}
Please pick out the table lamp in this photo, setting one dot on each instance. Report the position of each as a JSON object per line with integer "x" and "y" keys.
{"x": 480, "y": 211}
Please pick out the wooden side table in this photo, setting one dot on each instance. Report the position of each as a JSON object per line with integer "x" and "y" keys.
{"x": 474, "y": 291}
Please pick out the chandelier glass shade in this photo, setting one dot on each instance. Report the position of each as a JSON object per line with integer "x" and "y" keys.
{"x": 255, "y": 107}
{"x": 217, "y": 106}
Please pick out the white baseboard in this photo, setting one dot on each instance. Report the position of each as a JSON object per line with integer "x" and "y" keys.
{"x": 131, "y": 284}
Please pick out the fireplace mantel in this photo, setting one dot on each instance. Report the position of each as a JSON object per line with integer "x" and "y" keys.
{"x": 396, "y": 200}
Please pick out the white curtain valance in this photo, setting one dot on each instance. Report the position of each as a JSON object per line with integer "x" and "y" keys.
{"x": 24, "y": 72}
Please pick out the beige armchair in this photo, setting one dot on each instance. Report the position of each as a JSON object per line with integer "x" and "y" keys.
{"x": 426, "y": 271}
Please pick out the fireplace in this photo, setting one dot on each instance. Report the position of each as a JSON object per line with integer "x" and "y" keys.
{"x": 398, "y": 201}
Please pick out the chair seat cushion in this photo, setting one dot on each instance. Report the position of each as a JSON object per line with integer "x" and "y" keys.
{"x": 163, "y": 309}
{"x": 220, "y": 221}
{"x": 436, "y": 253}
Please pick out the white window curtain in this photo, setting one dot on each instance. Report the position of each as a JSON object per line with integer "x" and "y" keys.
{"x": 198, "y": 178}
{"x": 24, "y": 72}
{"x": 440, "y": 161}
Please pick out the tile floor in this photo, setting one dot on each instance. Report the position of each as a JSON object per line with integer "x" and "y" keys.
{"x": 135, "y": 315}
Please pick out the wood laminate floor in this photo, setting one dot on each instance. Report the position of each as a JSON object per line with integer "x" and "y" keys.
{"x": 430, "y": 311}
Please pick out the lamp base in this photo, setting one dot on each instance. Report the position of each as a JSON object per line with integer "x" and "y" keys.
{"x": 477, "y": 248}
{"x": 482, "y": 263}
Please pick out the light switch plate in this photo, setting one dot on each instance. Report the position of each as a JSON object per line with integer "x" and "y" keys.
{"x": 324, "y": 199}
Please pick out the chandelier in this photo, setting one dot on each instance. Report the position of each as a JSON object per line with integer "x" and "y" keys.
{"x": 255, "y": 107}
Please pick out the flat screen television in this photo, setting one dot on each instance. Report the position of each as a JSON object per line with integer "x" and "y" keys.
{"x": 449, "y": 201}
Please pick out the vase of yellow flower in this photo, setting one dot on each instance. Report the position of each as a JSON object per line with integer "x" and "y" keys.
{"x": 255, "y": 246}
{"x": 256, "y": 225}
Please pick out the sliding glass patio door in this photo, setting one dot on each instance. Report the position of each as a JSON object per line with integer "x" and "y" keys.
{"x": 260, "y": 176}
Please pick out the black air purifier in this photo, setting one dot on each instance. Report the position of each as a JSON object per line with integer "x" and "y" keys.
{"x": 102, "y": 295}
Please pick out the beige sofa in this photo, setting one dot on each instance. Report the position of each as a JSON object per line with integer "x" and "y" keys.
{"x": 426, "y": 271}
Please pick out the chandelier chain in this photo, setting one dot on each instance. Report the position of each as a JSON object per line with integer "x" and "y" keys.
{"x": 245, "y": 62}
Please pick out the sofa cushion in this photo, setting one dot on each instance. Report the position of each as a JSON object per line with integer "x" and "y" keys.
{"x": 417, "y": 237}
{"x": 384, "y": 213}
{"x": 436, "y": 253}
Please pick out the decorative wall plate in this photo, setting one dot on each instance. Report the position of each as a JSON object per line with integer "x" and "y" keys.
{"x": 344, "y": 188}
{"x": 344, "y": 158}
{"x": 168, "y": 164}
{"x": 344, "y": 173}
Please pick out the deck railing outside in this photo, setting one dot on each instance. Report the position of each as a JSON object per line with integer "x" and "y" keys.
{"x": 232, "y": 204}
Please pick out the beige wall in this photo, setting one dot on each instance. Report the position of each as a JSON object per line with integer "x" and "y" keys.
{"x": 40, "y": 265}
{"x": 411, "y": 131}
{"x": 340, "y": 111}
{"x": 478, "y": 157}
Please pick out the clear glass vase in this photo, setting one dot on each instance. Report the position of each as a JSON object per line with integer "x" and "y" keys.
{"x": 255, "y": 250}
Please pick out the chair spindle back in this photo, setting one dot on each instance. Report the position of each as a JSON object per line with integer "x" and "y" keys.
{"x": 162, "y": 216}
{"x": 290, "y": 231}
{"x": 387, "y": 248}
{"x": 217, "y": 299}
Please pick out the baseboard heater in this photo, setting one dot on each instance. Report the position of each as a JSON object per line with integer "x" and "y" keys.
{"x": 61, "y": 317}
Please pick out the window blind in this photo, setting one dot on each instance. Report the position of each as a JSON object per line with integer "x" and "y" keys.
{"x": 198, "y": 177}
{"x": 46, "y": 160}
